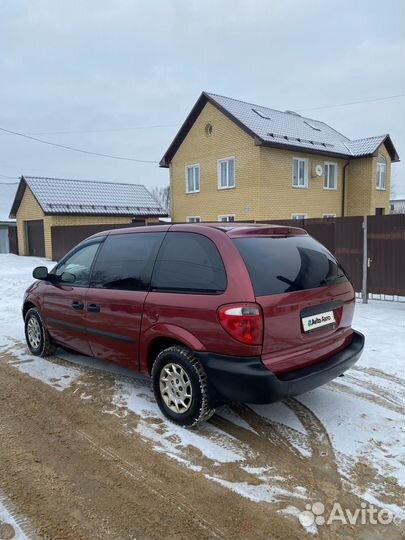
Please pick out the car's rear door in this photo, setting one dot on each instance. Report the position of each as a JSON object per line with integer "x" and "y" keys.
{"x": 307, "y": 299}
{"x": 63, "y": 302}
{"x": 114, "y": 302}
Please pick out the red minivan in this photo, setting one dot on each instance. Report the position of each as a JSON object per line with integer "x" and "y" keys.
{"x": 212, "y": 313}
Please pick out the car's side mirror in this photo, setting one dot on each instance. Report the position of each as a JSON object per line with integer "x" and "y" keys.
{"x": 40, "y": 272}
{"x": 67, "y": 277}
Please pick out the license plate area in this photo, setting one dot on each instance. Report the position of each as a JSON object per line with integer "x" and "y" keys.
{"x": 318, "y": 320}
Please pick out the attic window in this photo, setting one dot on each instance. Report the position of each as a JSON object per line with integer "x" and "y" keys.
{"x": 209, "y": 129}
{"x": 262, "y": 115}
{"x": 316, "y": 128}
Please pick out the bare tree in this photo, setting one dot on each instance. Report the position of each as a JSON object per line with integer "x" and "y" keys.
{"x": 162, "y": 195}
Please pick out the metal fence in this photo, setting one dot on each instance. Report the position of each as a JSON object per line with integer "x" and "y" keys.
{"x": 371, "y": 249}
{"x": 65, "y": 237}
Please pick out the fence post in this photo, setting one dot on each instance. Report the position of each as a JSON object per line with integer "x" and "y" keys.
{"x": 364, "y": 293}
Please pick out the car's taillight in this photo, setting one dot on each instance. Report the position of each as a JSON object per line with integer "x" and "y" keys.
{"x": 243, "y": 322}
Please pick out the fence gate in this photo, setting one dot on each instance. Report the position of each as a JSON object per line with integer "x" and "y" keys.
{"x": 386, "y": 253}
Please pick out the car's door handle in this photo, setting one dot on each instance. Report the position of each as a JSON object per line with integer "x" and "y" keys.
{"x": 76, "y": 304}
{"x": 93, "y": 307}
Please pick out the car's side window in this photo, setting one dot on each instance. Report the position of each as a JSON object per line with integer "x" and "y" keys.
{"x": 126, "y": 261}
{"x": 79, "y": 264}
{"x": 189, "y": 262}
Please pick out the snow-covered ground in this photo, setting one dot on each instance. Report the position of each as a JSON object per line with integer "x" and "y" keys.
{"x": 354, "y": 420}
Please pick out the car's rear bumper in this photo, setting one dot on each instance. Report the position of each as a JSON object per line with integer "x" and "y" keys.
{"x": 247, "y": 380}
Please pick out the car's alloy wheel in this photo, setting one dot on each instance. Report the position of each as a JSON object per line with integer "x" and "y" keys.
{"x": 38, "y": 339}
{"x": 34, "y": 333}
{"x": 175, "y": 388}
{"x": 180, "y": 386}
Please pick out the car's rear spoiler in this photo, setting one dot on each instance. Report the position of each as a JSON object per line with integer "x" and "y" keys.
{"x": 270, "y": 230}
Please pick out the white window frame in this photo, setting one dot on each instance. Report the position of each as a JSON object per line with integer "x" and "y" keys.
{"x": 193, "y": 166}
{"x": 306, "y": 167}
{"x": 381, "y": 168}
{"x": 193, "y": 219}
{"x": 327, "y": 215}
{"x": 226, "y": 160}
{"x": 326, "y": 166}
{"x": 299, "y": 215}
{"x": 226, "y": 220}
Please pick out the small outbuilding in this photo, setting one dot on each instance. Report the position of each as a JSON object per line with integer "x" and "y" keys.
{"x": 54, "y": 214}
{"x": 8, "y": 236}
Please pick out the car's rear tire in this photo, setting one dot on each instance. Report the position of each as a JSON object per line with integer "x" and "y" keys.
{"x": 36, "y": 334}
{"x": 181, "y": 388}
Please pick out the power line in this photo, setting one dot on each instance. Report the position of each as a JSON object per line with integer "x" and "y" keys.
{"x": 73, "y": 149}
{"x": 106, "y": 130}
{"x": 124, "y": 158}
{"x": 351, "y": 103}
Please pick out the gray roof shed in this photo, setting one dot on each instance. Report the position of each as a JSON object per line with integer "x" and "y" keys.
{"x": 81, "y": 197}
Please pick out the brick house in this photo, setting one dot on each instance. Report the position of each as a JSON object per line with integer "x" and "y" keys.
{"x": 233, "y": 160}
{"x": 55, "y": 214}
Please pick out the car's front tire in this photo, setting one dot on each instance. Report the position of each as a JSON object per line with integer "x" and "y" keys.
{"x": 36, "y": 334}
{"x": 180, "y": 386}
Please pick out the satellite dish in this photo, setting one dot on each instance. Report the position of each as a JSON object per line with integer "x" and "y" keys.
{"x": 319, "y": 170}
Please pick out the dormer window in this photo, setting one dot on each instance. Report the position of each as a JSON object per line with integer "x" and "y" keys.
{"x": 313, "y": 126}
{"x": 381, "y": 173}
{"x": 262, "y": 114}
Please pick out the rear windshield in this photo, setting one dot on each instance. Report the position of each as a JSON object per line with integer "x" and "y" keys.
{"x": 296, "y": 263}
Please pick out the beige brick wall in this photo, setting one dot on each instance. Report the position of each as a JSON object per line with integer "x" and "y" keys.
{"x": 226, "y": 140}
{"x": 88, "y": 220}
{"x": 381, "y": 198}
{"x": 279, "y": 199}
{"x": 30, "y": 210}
{"x": 363, "y": 197}
{"x": 359, "y": 186}
{"x": 263, "y": 178}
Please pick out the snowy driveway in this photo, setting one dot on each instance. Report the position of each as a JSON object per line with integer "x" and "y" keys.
{"x": 342, "y": 442}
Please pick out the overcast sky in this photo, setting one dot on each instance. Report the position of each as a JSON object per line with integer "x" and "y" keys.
{"x": 91, "y": 67}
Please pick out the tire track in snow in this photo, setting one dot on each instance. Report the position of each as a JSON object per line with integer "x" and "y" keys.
{"x": 136, "y": 473}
